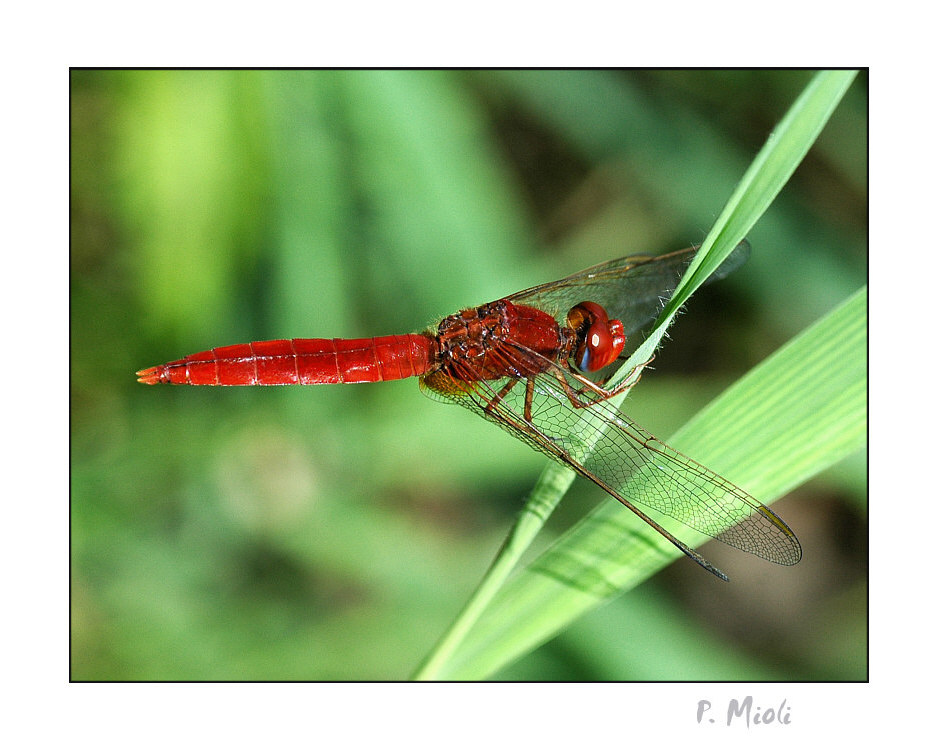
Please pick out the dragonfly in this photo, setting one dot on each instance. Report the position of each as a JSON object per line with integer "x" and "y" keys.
{"x": 537, "y": 364}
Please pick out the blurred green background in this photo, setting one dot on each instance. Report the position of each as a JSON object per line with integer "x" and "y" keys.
{"x": 334, "y": 532}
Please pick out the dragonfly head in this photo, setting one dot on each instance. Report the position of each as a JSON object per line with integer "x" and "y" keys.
{"x": 600, "y": 340}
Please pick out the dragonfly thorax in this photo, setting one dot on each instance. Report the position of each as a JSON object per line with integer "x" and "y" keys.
{"x": 499, "y": 340}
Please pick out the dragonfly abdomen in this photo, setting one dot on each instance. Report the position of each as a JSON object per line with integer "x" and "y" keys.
{"x": 301, "y": 361}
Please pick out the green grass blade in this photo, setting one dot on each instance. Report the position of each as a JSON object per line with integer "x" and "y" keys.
{"x": 769, "y": 171}
{"x": 785, "y": 421}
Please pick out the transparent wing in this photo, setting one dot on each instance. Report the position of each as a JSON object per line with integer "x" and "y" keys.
{"x": 632, "y": 289}
{"x": 625, "y": 458}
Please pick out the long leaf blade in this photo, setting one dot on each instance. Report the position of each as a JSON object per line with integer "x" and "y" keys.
{"x": 608, "y": 552}
{"x": 769, "y": 171}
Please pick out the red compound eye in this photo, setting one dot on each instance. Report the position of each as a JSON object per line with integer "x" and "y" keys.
{"x": 600, "y": 339}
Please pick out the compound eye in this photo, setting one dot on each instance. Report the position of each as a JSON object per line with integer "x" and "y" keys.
{"x": 600, "y": 339}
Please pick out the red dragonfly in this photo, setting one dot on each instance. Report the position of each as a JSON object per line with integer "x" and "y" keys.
{"x": 536, "y": 363}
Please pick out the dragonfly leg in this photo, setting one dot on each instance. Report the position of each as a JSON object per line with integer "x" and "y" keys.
{"x": 529, "y": 396}
{"x": 510, "y": 384}
{"x": 494, "y": 402}
{"x": 576, "y": 396}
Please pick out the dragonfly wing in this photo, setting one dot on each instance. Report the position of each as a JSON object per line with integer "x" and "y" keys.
{"x": 627, "y": 461}
{"x": 631, "y": 289}
{"x": 661, "y": 478}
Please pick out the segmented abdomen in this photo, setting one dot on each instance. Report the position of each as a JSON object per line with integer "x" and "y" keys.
{"x": 301, "y": 361}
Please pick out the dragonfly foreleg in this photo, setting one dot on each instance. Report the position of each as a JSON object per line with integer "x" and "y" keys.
{"x": 592, "y": 393}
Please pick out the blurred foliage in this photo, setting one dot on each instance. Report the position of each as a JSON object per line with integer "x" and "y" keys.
{"x": 333, "y": 533}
